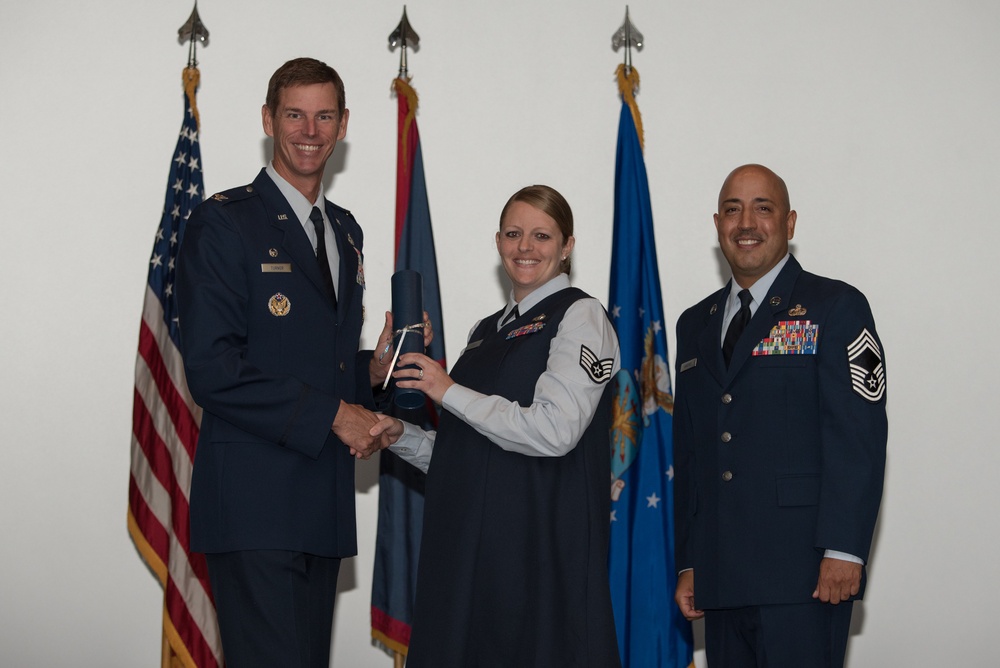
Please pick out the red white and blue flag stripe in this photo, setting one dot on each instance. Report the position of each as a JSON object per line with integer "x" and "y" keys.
{"x": 165, "y": 423}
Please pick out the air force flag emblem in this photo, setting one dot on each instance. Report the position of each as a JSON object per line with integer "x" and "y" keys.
{"x": 598, "y": 370}
{"x": 865, "y": 361}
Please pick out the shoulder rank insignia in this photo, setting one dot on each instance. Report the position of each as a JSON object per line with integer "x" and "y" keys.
{"x": 598, "y": 370}
{"x": 219, "y": 197}
{"x": 279, "y": 304}
{"x": 864, "y": 358}
{"x": 797, "y": 311}
{"x": 282, "y": 216}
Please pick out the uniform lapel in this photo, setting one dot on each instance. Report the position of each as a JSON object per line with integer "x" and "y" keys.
{"x": 710, "y": 339}
{"x": 349, "y": 258}
{"x": 776, "y": 303}
{"x": 295, "y": 242}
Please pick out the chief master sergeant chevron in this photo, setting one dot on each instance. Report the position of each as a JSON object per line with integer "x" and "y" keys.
{"x": 779, "y": 444}
{"x": 270, "y": 289}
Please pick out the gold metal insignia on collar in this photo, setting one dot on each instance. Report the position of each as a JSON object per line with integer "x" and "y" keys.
{"x": 712, "y": 310}
{"x": 775, "y": 301}
{"x": 219, "y": 197}
{"x": 279, "y": 304}
{"x": 349, "y": 239}
{"x": 539, "y": 318}
{"x": 273, "y": 252}
{"x": 797, "y": 311}
{"x": 282, "y": 216}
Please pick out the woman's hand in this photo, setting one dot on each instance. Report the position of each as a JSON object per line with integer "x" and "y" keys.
{"x": 388, "y": 426}
{"x": 428, "y": 376}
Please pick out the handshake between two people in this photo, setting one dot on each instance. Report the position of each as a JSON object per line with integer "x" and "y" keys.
{"x": 365, "y": 432}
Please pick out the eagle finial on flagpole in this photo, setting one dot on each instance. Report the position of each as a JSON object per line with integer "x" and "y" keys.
{"x": 404, "y": 36}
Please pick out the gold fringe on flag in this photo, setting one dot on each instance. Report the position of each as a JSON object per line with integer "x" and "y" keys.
{"x": 402, "y": 87}
{"x": 628, "y": 85}
{"x": 191, "y": 79}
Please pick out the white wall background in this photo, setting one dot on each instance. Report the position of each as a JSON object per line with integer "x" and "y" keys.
{"x": 881, "y": 116}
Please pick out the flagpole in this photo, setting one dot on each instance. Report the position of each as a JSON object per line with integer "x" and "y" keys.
{"x": 401, "y": 486}
{"x": 403, "y": 36}
{"x": 166, "y": 419}
{"x": 650, "y": 629}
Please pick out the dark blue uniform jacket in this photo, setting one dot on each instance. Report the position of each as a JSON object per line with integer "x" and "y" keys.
{"x": 781, "y": 456}
{"x": 268, "y": 357}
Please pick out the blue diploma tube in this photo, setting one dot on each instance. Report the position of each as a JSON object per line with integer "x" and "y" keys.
{"x": 408, "y": 310}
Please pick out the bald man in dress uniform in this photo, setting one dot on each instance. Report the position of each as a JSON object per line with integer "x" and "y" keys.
{"x": 779, "y": 444}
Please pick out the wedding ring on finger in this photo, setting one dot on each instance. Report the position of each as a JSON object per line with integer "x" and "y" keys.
{"x": 420, "y": 376}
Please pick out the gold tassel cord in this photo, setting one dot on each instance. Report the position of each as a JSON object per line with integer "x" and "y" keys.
{"x": 403, "y": 87}
{"x": 628, "y": 85}
{"x": 191, "y": 78}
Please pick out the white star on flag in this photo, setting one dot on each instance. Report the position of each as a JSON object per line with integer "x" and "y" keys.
{"x": 653, "y": 500}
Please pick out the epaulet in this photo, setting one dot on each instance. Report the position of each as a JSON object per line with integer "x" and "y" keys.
{"x": 233, "y": 194}
{"x": 340, "y": 209}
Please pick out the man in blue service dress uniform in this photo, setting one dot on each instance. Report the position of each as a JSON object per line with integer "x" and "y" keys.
{"x": 270, "y": 288}
{"x": 779, "y": 444}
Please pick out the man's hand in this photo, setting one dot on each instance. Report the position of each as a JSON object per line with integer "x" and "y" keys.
{"x": 685, "y": 596}
{"x": 839, "y": 580}
{"x": 352, "y": 426}
{"x": 378, "y": 367}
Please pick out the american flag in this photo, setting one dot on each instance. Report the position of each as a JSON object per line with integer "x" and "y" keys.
{"x": 165, "y": 422}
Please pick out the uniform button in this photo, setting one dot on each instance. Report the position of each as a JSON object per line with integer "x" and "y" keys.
{"x": 727, "y": 476}
{"x": 343, "y": 366}
{"x": 727, "y": 398}
{"x": 249, "y": 189}
{"x": 726, "y": 437}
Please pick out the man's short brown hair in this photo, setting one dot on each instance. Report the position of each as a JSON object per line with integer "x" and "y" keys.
{"x": 303, "y": 72}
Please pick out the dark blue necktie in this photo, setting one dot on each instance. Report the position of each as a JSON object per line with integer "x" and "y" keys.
{"x": 321, "y": 257}
{"x": 737, "y": 326}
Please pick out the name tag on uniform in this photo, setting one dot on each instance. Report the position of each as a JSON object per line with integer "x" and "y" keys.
{"x": 276, "y": 268}
{"x": 690, "y": 364}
